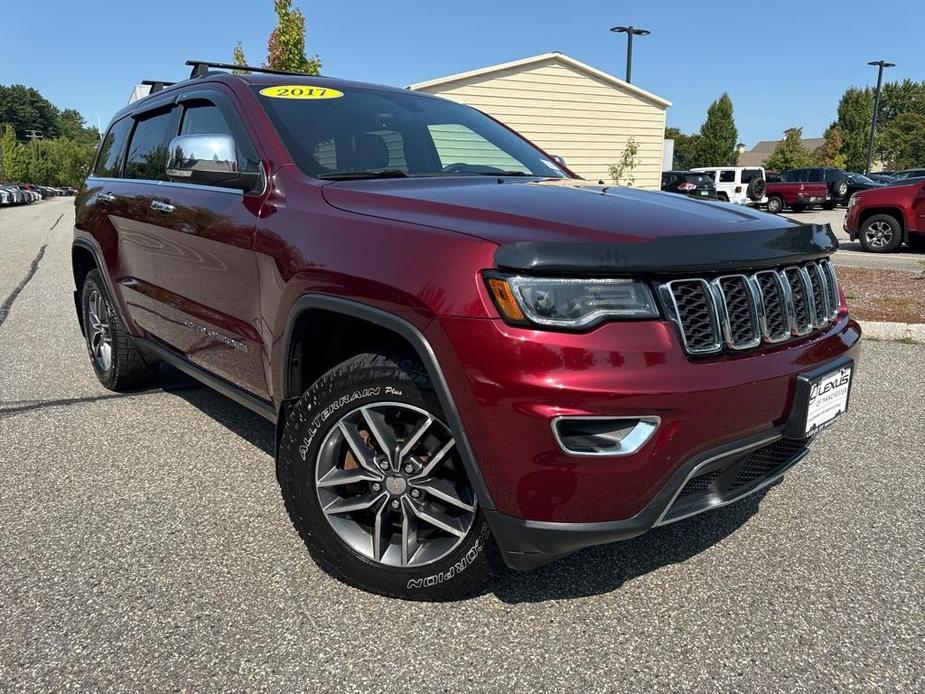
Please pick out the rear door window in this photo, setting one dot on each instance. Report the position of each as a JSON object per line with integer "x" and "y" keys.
{"x": 727, "y": 176}
{"x": 148, "y": 149}
{"x": 109, "y": 159}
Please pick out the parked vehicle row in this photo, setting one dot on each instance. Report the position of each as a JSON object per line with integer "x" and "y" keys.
{"x": 736, "y": 184}
{"x": 25, "y": 193}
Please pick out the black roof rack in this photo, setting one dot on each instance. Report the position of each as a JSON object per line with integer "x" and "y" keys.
{"x": 201, "y": 67}
{"x": 157, "y": 85}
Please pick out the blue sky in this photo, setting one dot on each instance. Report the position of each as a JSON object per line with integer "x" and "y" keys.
{"x": 783, "y": 63}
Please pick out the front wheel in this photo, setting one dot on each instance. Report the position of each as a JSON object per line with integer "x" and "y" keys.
{"x": 880, "y": 233}
{"x": 373, "y": 481}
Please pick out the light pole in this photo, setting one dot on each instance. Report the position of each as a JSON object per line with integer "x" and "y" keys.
{"x": 873, "y": 121}
{"x": 630, "y": 33}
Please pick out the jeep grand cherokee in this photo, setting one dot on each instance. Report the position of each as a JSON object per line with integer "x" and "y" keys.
{"x": 467, "y": 351}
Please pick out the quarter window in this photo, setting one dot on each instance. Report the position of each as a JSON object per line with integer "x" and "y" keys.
{"x": 110, "y": 156}
{"x": 147, "y": 153}
{"x": 728, "y": 176}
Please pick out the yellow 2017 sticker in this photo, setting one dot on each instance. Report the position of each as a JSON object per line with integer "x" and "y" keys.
{"x": 301, "y": 91}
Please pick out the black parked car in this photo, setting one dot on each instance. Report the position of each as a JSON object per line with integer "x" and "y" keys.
{"x": 882, "y": 177}
{"x": 858, "y": 182}
{"x": 907, "y": 174}
{"x": 696, "y": 185}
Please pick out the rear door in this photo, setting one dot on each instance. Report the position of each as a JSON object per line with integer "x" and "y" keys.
{"x": 206, "y": 280}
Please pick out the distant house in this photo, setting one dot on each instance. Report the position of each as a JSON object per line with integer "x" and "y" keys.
{"x": 759, "y": 154}
{"x": 568, "y": 108}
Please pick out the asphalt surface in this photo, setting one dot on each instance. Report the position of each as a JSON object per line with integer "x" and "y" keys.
{"x": 144, "y": 546}
{"x": 850, "y": 253}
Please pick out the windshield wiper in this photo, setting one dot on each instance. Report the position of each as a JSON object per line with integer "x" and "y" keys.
{"x": 359, "y": 175}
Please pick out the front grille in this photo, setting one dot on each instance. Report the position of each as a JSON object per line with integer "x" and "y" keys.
{"x": 700, "y": 483}
{"x": 741, "y": 311}
{"x": 764, "y": 461}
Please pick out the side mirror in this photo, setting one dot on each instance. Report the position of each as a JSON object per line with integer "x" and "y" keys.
{"x": 209, "y": 160}
{"x": 559, "y": 160}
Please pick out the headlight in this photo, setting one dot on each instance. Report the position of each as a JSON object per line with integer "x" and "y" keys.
{"x": 852, "y": 201}
{"x": 570, "y": 303}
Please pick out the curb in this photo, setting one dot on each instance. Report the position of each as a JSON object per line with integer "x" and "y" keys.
{"x": 880, "y": 330}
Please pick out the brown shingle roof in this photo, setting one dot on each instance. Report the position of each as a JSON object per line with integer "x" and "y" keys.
{"x": 764, "y": 149}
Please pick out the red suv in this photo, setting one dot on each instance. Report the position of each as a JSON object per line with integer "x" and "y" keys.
{"x": 882, "y": 218}
{"x": 467, "y": 351}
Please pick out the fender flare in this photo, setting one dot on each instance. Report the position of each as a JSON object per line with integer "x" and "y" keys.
{"x": 425, "y": 353}
{"x": 87, "y": 245}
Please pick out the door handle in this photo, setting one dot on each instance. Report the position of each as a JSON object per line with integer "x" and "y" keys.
{"x": 164, "y": 207}
{"x": 105, "y": 197}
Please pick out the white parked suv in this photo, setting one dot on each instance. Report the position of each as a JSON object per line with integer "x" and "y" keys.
{"x": 742, "y": 185}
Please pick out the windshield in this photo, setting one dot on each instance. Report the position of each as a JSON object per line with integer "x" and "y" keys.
{"x": 860, "y": 178}
{"x": 370, "y": 133}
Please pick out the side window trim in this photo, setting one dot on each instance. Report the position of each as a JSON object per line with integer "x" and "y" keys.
{"x": 138, "y": 117}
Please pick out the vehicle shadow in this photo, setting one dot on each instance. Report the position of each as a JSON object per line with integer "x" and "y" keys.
{"x": 606, "y": 568}
{"x": 236, "y": 418}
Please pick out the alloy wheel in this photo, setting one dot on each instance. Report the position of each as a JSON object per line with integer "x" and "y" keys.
{"x": 99, "y": 334}
{"x": 878, "y": 234}
{"x": 391, "y": 485}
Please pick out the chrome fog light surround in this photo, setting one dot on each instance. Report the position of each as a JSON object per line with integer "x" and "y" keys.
{"x": 626, "y": 436}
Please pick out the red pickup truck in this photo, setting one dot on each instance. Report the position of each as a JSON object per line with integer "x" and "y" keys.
{"x": 796, "y": 196}
{"x": 882, "y": 218}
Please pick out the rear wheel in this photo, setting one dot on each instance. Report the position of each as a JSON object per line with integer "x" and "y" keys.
{"x": 775, "y": 204}
{"x": 797, "y": 207}
{"x": 722, "y": 196}
{"x": 374, "y": 483}
{"x": 880, "y": 233}
{"x": 117, "y": 361}
{"x": 828, "y": 205}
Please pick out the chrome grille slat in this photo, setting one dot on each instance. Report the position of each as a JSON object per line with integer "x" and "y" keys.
{"x": 739, "y": 312}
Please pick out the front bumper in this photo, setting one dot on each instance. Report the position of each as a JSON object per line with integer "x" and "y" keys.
{"x": 510, "y": 383}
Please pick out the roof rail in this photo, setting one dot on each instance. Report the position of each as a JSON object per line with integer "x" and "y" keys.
{"x": 157, "y": 85}
{"x": 201, "y": 67}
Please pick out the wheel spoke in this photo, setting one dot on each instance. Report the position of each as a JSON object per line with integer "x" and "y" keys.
{"x": 383, "y": 434}
{"x": 382, "y": 529}
{"x": 409, "y": 533}
{"x": 445, "y": 491}
{"x": 362, "y": 452}
{"x": 433, "y": 462}
{"x": 438, "y": 519}
{"x": 356, "y": 503}
{"x": 338, "y": 477}
{"x": 415, "y": 437}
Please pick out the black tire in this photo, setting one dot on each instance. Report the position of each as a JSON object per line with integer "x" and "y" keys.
{"x": 722, "y": 197}
{"x": 756, "y": 189}
{"x": 840, "y": 189}
{"x": 371, "y": 379}
{"x": 775, "y": 204}
{"x": 797, "y": 207}
{"x": 828, "y": 205}
{"x": 126, "y": 368}
{"x": 880, "y": 233}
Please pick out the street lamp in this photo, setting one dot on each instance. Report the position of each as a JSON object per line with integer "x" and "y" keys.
{"x": 873, "y": 121}
{"x": 630, "y": 33}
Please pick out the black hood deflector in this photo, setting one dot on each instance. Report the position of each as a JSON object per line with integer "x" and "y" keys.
{"x": 702, "y": 253}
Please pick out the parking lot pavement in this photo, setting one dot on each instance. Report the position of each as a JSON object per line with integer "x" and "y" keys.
{"x": 144, "y": 546}
{"x": 850, "y": 253}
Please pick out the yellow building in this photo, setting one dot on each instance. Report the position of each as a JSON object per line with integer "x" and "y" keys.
{"x": 568, "y": 108}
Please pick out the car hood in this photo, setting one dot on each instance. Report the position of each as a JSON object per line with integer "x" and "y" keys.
{"x": 556, "y": 225}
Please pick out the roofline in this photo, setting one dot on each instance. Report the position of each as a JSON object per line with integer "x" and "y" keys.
{"x": 553, "y": 55}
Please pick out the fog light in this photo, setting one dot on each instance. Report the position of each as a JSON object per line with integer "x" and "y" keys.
{"x": 603, "y": 435}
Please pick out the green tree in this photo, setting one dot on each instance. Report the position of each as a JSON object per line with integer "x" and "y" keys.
{"x": 13, "y": 160}
{"x": 830, "y": 154}
{"x": 790, "y": 152}
{"x": 286, "y": 46}
{"x": 238, "y": 58}
{"x": 901, "y": 144}
{"x": 686, "y": 148}
{"x": 72, "y": 125}
{"x": 718, "y": 135}
{"x": 854, "y": 113}
{"x": 25, "y": 109}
